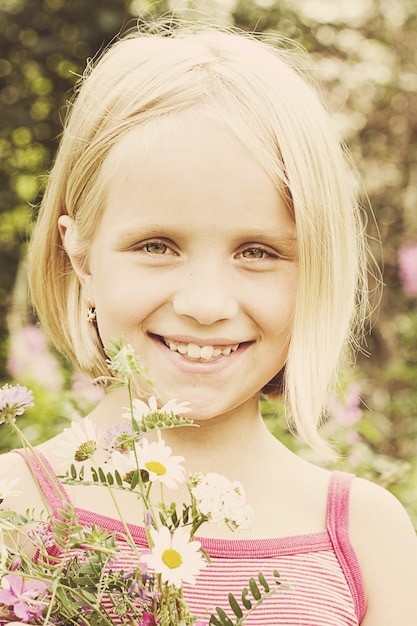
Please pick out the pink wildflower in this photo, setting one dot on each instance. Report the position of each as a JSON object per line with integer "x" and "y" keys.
{"x": 148, "y": 620}
{"x": 13, "y": 402}
{"x": 407, "y": 258}
{"x": 22, "y": 596}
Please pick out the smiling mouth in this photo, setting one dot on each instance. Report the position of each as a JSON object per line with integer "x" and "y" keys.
{"x": 194, "y": 352}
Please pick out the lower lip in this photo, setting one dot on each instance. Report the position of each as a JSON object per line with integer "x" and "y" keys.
{"x": 200, "y": 367}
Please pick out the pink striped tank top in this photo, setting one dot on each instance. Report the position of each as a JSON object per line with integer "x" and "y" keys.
{"x": 322, "y": 569}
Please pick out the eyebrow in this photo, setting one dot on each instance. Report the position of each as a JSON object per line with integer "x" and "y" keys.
{"x": 284, "y": 237}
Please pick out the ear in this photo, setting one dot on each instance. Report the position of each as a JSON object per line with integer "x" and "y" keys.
{"x": 70, "y": 241}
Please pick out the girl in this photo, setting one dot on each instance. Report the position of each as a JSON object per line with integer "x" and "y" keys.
{"x": 201, "y": 205}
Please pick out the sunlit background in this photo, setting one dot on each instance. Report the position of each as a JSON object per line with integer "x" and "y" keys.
{"x": 364, "y": 55}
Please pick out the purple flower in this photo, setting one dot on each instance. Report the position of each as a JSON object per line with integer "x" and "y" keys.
{"x": 119, "y": 437}
{"x": 407, "y": 258}
{"x": 42, "y": 535}
{"x": 13, "y": 402}
{"x": 22, "y": 596}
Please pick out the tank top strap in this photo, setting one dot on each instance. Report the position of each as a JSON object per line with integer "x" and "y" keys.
{"x": 338, "y": 504}
{"x": 44, "y": 475}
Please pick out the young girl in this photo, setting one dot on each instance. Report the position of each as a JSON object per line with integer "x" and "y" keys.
{"x": 201, "y": 206}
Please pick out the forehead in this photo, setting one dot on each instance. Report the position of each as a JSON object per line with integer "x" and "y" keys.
{"x": 183, "y": 165}
{"x": 186, "y": 147}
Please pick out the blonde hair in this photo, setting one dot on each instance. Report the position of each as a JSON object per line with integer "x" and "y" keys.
{"x": 251, "y": 88}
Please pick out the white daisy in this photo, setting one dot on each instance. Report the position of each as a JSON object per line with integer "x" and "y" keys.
{"x": 157, "y": 460}
{"x": 7, "y": 488}
{"x": 142, "y": 409}
{"x": 223, "y": 501}
{"x": 124, "y": 463}
{"x": 174, "y": 557}
{"x": 79, "y": 442}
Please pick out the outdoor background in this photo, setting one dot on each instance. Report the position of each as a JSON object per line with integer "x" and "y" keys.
{"x": 365, "y": 55}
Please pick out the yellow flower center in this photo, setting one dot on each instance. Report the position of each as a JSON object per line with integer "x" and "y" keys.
{"x": 156, "y": 467}
{"x": 171, "y": 558}
{"x": 85, "y": 451}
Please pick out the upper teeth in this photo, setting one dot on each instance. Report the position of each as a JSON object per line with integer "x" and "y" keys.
{"x": 194, "y": 351}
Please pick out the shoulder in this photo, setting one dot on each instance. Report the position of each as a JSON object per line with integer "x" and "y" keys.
{"x": 374, "y": 507}
{"x": 17, "y": 475}
{"x": 386, "y": 545}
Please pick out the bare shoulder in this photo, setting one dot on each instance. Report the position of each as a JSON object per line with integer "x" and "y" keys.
{"x": 386, "y": 544}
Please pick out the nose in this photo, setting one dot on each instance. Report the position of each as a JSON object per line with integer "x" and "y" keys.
{"x": 206, "y": 296}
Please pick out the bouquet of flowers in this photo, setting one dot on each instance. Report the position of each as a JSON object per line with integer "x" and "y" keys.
{"x": 79, "y": 574}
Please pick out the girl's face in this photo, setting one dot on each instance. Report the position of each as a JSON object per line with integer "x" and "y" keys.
{"x": 194, "y": 262}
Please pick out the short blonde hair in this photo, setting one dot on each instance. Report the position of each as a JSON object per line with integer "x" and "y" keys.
{"x": 251, "y": 88}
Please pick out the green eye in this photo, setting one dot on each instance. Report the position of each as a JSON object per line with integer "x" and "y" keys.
{"x": 253, "y": 253}
{"x": 156, "y": 247}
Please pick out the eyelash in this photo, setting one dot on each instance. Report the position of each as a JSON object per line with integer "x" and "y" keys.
{"x": 156, "y": 244}
{"x": 262, "y": 252}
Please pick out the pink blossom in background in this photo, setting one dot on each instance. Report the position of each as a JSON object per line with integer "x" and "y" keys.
{"x": 83, "y": 386}
{"x": 407, "y": 259}
{"x": 30, "y": 357}
{"x": 347, "y": 411}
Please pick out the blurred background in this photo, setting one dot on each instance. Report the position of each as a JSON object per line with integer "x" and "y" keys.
{"x": 365, "y": 56}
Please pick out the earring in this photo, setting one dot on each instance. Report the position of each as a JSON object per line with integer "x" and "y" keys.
{"x": 91, "y": 313}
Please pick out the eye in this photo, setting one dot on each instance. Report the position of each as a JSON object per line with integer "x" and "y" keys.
{"x": 254, "y": 253}
{"x": 155, "y": 247}
{"x": 257, "y": 253}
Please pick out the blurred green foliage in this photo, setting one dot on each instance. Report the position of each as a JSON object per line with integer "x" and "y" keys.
{"x": 365, "y": 57}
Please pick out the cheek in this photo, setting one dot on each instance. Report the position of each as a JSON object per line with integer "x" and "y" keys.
{"x": 276, "y": 306}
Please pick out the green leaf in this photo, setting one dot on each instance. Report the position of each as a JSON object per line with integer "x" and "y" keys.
{"x": 245, "y": 600}
{"x": 135, "y": 479}
{"x": 110, "y": 479}
{"x": 254, "y": 589}
{"x": 235, "y": 606}
{"x": 224, "y": 618}
{"x": 263, "y": 582}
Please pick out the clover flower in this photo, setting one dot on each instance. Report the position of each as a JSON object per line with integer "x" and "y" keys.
{"x": 14, "y": 399}
{"x": 174, "y": 556}
{"x": 123, "y": 362}
{"x": 42, "y": 536}
{"x": 24, "y": 597}
{"x": 7, "y": 488}
{"x": 79, "y": 442}
{"x": 221, "y": 500}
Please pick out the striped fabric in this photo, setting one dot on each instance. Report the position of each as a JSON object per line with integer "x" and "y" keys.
{"x": 321, "y": 569}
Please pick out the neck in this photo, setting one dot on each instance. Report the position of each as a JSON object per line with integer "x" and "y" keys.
{"x": 223, "y": 444}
